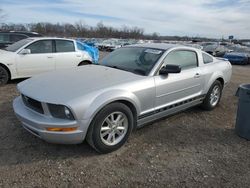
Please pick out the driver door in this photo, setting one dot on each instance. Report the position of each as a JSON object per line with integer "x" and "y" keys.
{"x": 174, "y": 88}
{"x": 41, "y": 59}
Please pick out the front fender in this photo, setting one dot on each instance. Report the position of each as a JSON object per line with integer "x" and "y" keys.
{"x": 11, "y": 68}
{"x": 108, "y": 97}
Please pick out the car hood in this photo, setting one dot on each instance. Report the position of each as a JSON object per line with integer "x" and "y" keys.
{"x": 5, "y": 54}
{"x": 60, "y": 87}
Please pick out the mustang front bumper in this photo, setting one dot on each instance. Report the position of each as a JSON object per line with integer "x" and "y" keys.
{"x": 37, "y": 123}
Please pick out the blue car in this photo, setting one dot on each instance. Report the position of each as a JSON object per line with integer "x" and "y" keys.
{"x": 93, "y": 51}
{"x": 237, "y": 58}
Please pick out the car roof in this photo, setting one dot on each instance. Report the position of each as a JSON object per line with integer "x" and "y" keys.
{"x": 243, "y": 54}
{"x": 30, "y": 34}
{"x": 51, "y": 38}
{"x": 161, "y": 46}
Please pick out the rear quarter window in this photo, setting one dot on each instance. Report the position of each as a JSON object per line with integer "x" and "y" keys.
{"x": 64, "y": 46}
{"x": 207, "y": 58}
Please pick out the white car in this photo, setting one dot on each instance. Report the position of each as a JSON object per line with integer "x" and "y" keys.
{"x": 33, "y": 56}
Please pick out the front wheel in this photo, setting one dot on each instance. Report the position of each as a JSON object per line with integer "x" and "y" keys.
{"x": 213, "y": 96}
{"x": 110, "y": 128}
{"x": 4, "y": 76}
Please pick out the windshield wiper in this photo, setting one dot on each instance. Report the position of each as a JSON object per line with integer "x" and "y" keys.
{"x": 139, "y": 71}
{"x": 135, "y": 71}
{"x": 115, "y": 67}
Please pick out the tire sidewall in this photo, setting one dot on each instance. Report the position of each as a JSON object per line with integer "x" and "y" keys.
{"x": 96, "y": 140}
{"x": 206, "y": 104}
{"x": 3, "y": 82}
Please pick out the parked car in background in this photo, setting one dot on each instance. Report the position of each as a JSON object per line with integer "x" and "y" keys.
{"x": 132, "y": 86}
{"x": 246, "y": 44}
{"x": 32, "y": 56}
{"x": 216, "y": 50}
{"x": 238, "y": 48}
{"x": 91, "y": 41}
{"x": 113, "y": 44}
{"x": 92, "y": 50}
{"x": 109, "y": 45}
{"x": 193, "y": 45}
{"x": 238, "y": 58}
{"x": 10, "y": 37}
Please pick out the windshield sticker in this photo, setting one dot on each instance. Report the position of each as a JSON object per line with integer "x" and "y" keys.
{"x": 151, "y": 51}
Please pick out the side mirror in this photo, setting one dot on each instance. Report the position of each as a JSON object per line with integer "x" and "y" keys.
{"x": 170, "y": 69}
{"x": 25, "y": 51}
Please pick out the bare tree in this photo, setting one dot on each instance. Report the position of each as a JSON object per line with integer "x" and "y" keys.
{"x": 79, "y": 29}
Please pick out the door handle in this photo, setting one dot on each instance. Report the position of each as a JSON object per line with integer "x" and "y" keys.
{"x": 49, "y": 56}
{"x": 197, "y": 75}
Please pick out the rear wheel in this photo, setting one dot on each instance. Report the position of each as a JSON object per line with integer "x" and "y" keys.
{"x": 110, "y": 128}
{"x": 213, "y": 96}
{"x": 4, "y": 76}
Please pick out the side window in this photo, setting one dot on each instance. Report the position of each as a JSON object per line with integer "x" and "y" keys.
{"x": 15, "y": 37}
{"x": 65, "y": 46}
{"x": 4, "y": 38}
{"x": 40, "y": 47}
{"x": 207, "y": 58}
{"x": 184, "y": 58}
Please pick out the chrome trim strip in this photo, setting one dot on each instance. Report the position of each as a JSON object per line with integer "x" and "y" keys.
{"x": 167, "y": 108}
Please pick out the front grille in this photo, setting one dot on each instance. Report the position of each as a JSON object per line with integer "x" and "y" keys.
{"x": 33, "y": 104}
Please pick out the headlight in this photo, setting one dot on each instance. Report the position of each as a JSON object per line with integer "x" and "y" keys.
{"x": 60, "y": 111}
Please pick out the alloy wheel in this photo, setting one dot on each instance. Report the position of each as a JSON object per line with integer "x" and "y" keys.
{"x": 215, "y": 95}
{"x": 114, "y": 128}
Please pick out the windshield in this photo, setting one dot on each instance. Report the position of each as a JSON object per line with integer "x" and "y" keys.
{"x": 138, "y": 60}
{"x": 17, "y": 45}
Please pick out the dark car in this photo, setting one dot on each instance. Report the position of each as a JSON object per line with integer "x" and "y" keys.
{"x": 10, "y": 37}
{"x": 238, "y": 58}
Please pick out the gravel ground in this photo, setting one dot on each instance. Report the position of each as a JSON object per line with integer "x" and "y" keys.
{"x": 191, "y": 149}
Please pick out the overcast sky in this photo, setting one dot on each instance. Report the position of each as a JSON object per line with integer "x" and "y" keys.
{"x": 209, "y": 18}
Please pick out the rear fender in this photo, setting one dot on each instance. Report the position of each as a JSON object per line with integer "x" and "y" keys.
{"x": 213, "y": 78}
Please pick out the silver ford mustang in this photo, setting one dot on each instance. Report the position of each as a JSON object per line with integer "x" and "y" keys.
{"x": 132, "y": 86}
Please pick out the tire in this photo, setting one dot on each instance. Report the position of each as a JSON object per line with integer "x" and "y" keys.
{"x": 4, "y": 76}
{"x": 103, "y": 136}
{"x": 213, "y": 96}
{"x": 84, "y": 63}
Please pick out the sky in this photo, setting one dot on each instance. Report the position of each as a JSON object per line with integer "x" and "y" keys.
{"x": 203, "y": 18}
